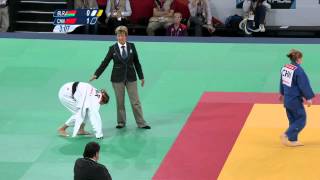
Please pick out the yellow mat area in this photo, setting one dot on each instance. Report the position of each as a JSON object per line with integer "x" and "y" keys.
{"x": 259, "y": 154}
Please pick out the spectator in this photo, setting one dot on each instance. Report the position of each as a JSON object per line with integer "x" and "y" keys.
{"x": 177, "y": 29}
{"x": 117, "y": 12}
{"x": 200, "y": 12}
{"x": 162, "y": 16}
{"x": 88, "y": 166}
{"x": 87, "y": 4}
{"x": 255, "y": 12}
{"x": 4, "y": 16}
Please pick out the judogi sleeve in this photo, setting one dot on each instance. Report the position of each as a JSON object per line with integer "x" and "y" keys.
{"x": 95, "y": 120}
{"x": 281, "y": 86}
{"x": 92, "y": 107}
{"x": 304, "y": 85}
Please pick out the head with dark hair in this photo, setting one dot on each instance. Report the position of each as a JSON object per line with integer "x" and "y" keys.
{"x": 104, "y": 97}
{"x": 91, "y": 150}
{"x": 295, "y": 56}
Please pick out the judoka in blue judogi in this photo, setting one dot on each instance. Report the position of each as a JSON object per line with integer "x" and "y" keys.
{"x": 294, "y": 88}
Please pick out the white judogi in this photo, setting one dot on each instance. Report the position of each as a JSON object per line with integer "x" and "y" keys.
{"x": 84, "y": 106}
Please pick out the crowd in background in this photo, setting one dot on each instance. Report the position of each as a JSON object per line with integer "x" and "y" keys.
{"x": 165, "y": 18}
{"x": 194, "y": 20}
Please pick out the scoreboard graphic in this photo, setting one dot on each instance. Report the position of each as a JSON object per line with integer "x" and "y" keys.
{"x": 66, "y": 21}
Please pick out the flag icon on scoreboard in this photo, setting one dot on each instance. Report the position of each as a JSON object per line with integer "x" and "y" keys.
{"x": 71, "y": 21}
{"x": 71, "y": 13}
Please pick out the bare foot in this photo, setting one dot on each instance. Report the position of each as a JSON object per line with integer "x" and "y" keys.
{"x": 284, "y": 139}
{"x": 83, "y": 132}
{"x": 62, "y": 132}
{"x": 294, "y": 144}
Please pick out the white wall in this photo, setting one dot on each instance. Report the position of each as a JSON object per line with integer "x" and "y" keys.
{"x": 307, "y": 13}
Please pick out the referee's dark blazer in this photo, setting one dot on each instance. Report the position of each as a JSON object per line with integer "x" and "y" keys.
{"x": 123, "y": 69}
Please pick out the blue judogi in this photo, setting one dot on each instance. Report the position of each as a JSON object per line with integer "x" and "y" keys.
{"x": 295, "y": 86}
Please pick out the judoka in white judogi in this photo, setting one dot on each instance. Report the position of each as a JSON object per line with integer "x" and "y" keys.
{"x": 83, "y": 101}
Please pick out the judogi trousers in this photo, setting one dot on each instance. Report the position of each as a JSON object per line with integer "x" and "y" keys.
{"x": 297, "y": 121}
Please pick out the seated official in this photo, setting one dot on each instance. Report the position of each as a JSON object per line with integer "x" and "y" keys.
{"x": 88, "y": 167}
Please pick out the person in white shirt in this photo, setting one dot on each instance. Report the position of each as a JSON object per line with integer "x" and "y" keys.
{"x": 83, "y": 101}
{"x": 254, "y": 18}
{"x": 117, "y": 13}
{"x": 4, "y": 16}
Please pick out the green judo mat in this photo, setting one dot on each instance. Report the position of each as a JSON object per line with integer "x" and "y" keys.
{"x": 176, "y": 74}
